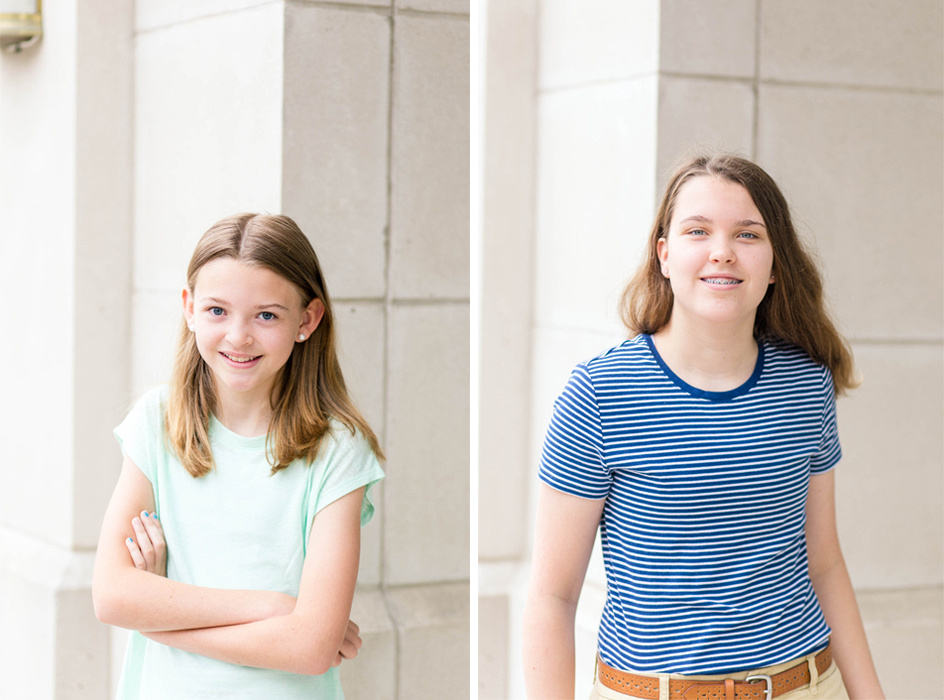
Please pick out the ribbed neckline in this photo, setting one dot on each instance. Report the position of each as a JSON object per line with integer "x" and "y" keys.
{"x": 701, "y": 393}
{"x": 225, "y": 436}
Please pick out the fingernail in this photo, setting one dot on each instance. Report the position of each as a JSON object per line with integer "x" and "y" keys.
{"x": 145, "y": 514}
{"x": 130, "y": 540}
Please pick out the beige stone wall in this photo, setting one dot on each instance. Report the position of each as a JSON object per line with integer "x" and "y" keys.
{"x": 842, "y": 103}
{"x": 123, "y": 136}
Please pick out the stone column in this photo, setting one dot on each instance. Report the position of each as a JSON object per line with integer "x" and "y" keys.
{"x": 843, "y": 105}
{"x": 351, "y": 117}
{"x": 65, "y": 136}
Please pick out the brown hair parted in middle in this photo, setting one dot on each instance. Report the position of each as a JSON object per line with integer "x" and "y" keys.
{"x": 310, "y": 391}
{"x": 793, "y": 309}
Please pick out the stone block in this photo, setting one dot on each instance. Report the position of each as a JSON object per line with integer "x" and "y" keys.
{"x": 429, "y": 218}
{"x": 27, "y": 657}
{"x": 51, "y": 646}
{"x": 698, "y": 115}
{"x": 155, "y": 323}
{"x": 506, "y": 249}
{"x": 864, "y": 173}
{"x": 459, "y": 7}
{"x": 605, "y": 41}
{"x": 426, "y": 514}
{"x": 334, "y": 150}
{"x": 595, "y": 198}
{"x": 208, "y": 134}
{"x": 363, "y": 3}
{"x": 493, "y": 651}
{"x": 155, "y": 14}
{"x": 882, "y": 43}
{"x": 433, "y": 632}
{"x": 708, "y": 38}
{"x": 372, "y": 675}
{"x": 905, "y": 637}
{"x": 889, "y": 482}
{"x": 361, "y": 329}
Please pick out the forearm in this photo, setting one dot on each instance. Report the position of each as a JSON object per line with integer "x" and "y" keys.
{"x": 146, "y": 602}
{"x": 849, "y": 644}
{"x": 549, "y": 647}
{"x": 284, "y": 643}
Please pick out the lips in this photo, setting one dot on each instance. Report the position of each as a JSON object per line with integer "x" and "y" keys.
{"x": 240, "y": 359}
{"x": 722, "y": 281}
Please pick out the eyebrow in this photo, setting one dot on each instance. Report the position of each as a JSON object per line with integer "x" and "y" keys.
{"x": 706, "y": 220}
{"x": 222, "y": 302}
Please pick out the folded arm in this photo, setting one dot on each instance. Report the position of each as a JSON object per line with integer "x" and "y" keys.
{"x": 128, "y": 597}
{"x": 316, "y": 634}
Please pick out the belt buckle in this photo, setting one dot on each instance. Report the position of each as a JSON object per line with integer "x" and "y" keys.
{"x": 769, "y": 690}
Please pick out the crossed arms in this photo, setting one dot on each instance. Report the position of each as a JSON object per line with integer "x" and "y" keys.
{"x": 265, "y": 629}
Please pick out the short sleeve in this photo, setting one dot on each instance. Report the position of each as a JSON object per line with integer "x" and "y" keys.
{"x": 141, "y": 432}
{"x": 572, "y": 460}
{"x": 829, "y": 452}
{"x": 346, "y": 462}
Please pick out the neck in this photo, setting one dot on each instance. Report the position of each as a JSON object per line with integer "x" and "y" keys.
{"x": 245, "y": 415}
{"x": 709, "y": 357}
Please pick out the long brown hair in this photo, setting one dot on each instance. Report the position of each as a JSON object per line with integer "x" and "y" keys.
{"x": 310, "y": 390}
{"x": 793, "y": 309}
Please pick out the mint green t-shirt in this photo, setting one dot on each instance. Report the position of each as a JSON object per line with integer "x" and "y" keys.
{"x": 238, "y": 527}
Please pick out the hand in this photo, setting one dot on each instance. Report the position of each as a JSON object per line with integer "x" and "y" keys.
{"x": 148, "y": 549}
{"x": 352, "y": 642}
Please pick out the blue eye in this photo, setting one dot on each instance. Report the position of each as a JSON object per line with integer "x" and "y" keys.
{"x": 748, "y": 234}
{"x": 698, "y": 231}
{"x": 216, "y": 311}
{"x": 267, "y": 316}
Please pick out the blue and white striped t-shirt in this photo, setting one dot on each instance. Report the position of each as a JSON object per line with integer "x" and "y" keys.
{"x": 703, "y": 526}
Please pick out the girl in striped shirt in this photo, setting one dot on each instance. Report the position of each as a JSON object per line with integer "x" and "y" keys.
{"x": 703, "y": 448}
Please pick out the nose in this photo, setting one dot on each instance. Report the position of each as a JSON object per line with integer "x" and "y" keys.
{"x": 239, "y": 333}
{"x": 722, "y": 251}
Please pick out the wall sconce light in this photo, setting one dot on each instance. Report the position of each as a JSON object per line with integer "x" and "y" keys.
{"x": 21, "y": 23}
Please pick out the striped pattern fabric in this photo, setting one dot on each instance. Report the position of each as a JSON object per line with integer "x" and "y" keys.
{"x": 703, "y": 526}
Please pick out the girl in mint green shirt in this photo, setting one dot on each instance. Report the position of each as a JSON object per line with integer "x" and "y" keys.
{"x": 231, "y": 543}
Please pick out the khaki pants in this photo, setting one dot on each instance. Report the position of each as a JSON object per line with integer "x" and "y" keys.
{"x": 827, "y": 686}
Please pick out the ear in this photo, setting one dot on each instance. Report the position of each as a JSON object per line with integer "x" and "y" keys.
{"x": 311, "y": 317}
{"x": 662, "y": 250}
{"x": 187, "y": 299}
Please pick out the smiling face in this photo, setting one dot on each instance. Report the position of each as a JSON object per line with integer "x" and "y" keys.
{"x": 246, "y": 320}
{"x": 717, "y": 254}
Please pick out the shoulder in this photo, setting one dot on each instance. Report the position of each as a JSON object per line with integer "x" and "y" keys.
{"x": 628, "y": 353}
{"x": 149, "y": 408}
{"x": 621, "y": 367}
{"x": 627, "y": 357}
{"x": 787, "y": 362}
{"x": 612, "y": 373}
{"x": 343, "y": 442}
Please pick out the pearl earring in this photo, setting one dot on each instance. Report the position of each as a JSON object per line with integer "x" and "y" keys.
{"x": 190, "y": 326}
{"x": 301, "y": 336}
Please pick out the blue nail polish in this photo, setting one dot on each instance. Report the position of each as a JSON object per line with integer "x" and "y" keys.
{"x": 145, "y": 514}
{"x": 130, "y": 540}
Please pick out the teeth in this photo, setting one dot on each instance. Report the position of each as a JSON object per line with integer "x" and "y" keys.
{"x": 720, "y": 280}
{"x": 240, "y": 359}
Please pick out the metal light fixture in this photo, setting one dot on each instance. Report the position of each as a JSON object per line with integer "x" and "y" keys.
{"x": 21, "y": 23}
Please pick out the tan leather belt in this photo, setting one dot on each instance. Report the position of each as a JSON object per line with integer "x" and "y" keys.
{"x": 755, "y": 687}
